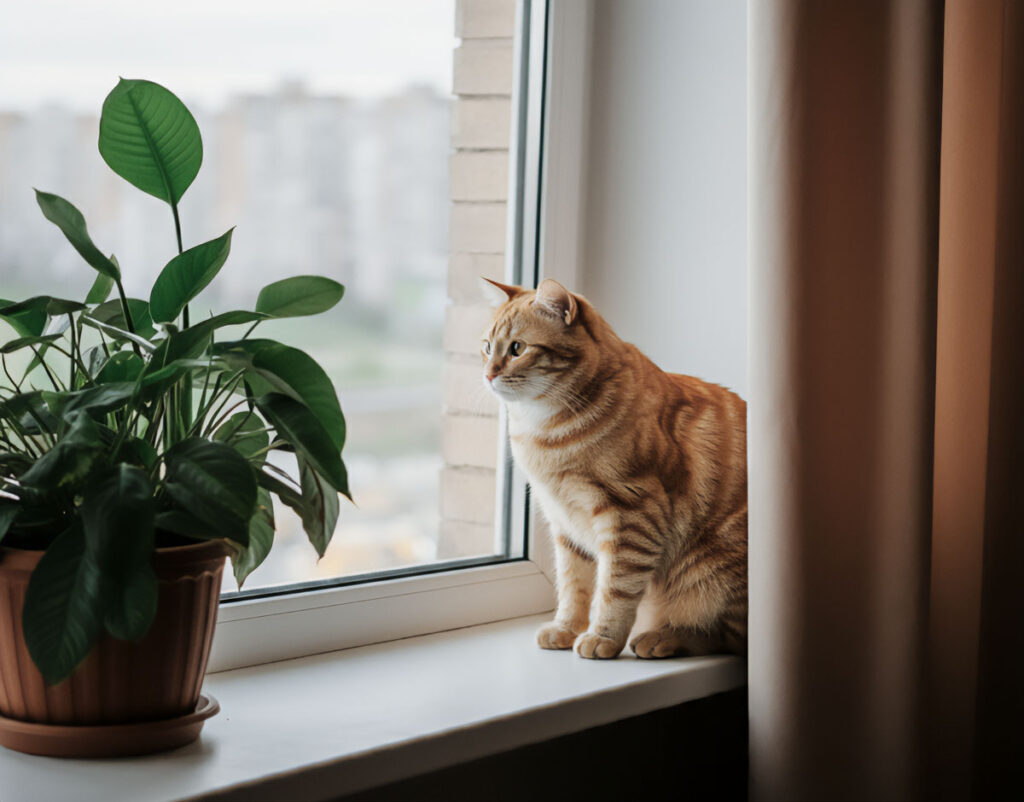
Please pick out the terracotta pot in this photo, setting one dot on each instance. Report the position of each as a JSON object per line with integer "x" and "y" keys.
{"x": 157, "y": 678}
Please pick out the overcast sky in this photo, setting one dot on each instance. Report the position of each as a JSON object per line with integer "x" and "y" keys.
{"x": 72, "y": 51}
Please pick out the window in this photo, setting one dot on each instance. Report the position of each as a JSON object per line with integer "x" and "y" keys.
{"x": 333, "y": 141}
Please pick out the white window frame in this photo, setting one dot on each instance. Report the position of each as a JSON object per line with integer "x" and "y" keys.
{"x": 546, "y": 189}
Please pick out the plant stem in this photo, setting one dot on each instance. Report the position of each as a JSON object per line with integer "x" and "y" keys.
{"x": 49, "y": 373}
{"x": 14, "y": 384}
{"x": 127, "y": 314}
{"x": 216, "y": 424}
{"x": 74, "y": 350}
{"x": 185, "y": 409}
{"x": 228, "y": 389}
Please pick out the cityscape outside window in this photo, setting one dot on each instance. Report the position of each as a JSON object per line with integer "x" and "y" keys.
{"x": 327, "y": 138}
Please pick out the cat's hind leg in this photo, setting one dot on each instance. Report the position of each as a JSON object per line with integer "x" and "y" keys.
{"x": 669, "y": 641}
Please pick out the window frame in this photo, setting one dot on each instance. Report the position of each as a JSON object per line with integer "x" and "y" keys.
{"x": 546, "y": 191}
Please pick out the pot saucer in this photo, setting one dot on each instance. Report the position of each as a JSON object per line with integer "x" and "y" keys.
{"x": 107, "y": 740}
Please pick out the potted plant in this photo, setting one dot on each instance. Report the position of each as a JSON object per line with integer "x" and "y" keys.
{"x": 133, "y": 459}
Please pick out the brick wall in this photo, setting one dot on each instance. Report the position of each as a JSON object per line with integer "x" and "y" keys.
{"x": 481, "y": 123}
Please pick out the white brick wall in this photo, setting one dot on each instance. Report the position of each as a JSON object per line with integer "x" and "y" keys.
{"x": 477, "y": 228}
{"x": 481, "y": 123}
{"x": 479, "y": 175}
{"x": 482, "y": 19}
{"x": 479, "y": 172}
{"x": 483, "y": 67}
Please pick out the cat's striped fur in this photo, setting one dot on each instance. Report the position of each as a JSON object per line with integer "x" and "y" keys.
{"x": 641, "y": 474}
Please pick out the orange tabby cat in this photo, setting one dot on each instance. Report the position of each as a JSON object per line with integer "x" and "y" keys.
{"x": 641, "y": 474}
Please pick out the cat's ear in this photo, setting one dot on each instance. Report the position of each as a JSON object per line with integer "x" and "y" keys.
{"x": 498, "y": 293}
{"x": 554, "y": 299}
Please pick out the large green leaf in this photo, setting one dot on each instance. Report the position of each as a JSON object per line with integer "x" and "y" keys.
{"x": 71, "y": 460}
{"x": 72, "y": 224}
{"x": 63, "y": 612}
{"x": 320, "y": 508}
{"x": 112, "y": 314}
{"x": 300, "y": 428}
{"x": 261, "y": 537}
{"x": 213, "y": 483}
{"x": 117, "y": 519}
{"x": 298, "y": 296}
{"x": 186, "y": 275}
{"x": 150, "y": 139}
{"x": 27, "y": 322}
{"x": 293, "y": 372}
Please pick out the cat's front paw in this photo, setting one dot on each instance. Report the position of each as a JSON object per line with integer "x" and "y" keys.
{"x": 597, "y": 647}
{"x": 555, "y": 636}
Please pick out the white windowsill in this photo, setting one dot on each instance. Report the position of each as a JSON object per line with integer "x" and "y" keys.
{"x": 319, "y": 727}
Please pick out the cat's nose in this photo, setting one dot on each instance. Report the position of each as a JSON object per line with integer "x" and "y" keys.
{"x": 491, "y": 375}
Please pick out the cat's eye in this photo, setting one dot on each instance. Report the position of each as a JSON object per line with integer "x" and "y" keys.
{"x": 487, "y": 347}
{"x": 516, "y": 348}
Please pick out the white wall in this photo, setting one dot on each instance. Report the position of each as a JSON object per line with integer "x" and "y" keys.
{"x": 664, "y": 235}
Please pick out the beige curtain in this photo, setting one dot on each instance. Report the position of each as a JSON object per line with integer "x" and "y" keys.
{"x": 887, "y": 361}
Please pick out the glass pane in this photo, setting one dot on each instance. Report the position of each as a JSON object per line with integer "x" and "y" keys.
{"x": 327, "y": 130}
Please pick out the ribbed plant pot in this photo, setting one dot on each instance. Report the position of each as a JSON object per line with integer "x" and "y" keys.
{"x": 155, "y": 680}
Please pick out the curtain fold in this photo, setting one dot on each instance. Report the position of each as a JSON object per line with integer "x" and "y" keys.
{"x": 886, "y": 255}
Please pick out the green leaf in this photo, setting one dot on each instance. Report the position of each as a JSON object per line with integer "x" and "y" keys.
{"x": 71, "y": 460}
{"x": 245, "y": 432}
{"x": 117, "y": 520}
{"x": 283, "y": 491}
{"x": 234, "y": 318}
{"x": 45, "y": 303}
{"x": 100, "y": 289}
{"x": 299, "y": 296}
{"x": 71, "y": 223}
{"x": 111, "y": 313}
{"x": 187, "y": 344}
{"x": 320, "y": 512}
{"x": 124, "y": 366}
{"x": 215, "y": 484}
{"x": 171, "y": 372}
{"x": 98, "y": 400}
{"x": 261, "y": 538}
{"x": 27, "y": 410}
{"x": 63, "y": 612}
{"x": 8, "y": 512}
{"x": 186, "y": 275}
{"x": 181, "y": 522}
{"x": 26, "y": 322}
{"x": 24, "y": 342}
{"x": 137, "y": 451}
{"x": 150, "y": 139}
{"x": 293, "y": 372}
{"x": 299, "y": 427}
{"x": 118, "y": 334}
